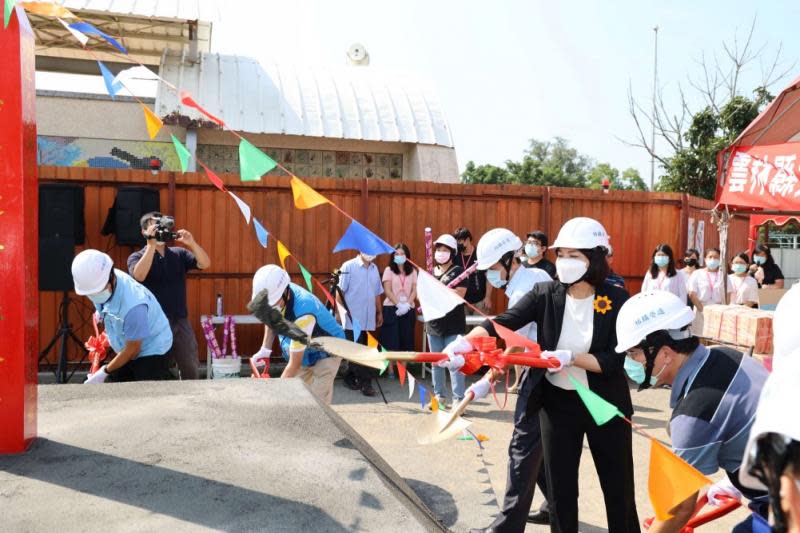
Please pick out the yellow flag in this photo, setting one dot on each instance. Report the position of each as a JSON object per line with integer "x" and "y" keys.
{"x": 153, "y": 122}
{"x": 304, "y": 196}
{"x": 372, "y": 342}
{"x": 283, "y": 253}
{"x": 671, "y": 480}
{"x": 46, "y": 9}
{"x": 434, "y": 404}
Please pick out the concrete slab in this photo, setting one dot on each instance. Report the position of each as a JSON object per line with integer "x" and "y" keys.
{"x": 233, "y": 455}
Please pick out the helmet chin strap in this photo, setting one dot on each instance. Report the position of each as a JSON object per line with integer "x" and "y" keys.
{"x": 650, "y": 353}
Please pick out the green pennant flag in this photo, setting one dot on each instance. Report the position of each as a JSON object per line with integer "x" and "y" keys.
{"x": 306, "y": 276}
{"x": 183, "y": 153}
{"x": 601, "y": 410}
{"x": 253, "y": 163}
{"x": 385, "y": 366}
{"x": 7, "y": 10}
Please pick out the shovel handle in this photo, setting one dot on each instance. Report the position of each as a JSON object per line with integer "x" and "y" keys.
{"x": 529, "y": 360}
{"x": 429, "y": 357}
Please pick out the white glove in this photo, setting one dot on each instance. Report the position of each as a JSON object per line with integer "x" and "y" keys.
{"x": 98, "y": 377}
{"x": 564, "y": 357}
{"x": 480, "y": 388}
{"x": 723, "y": 487}
{"x": 453, "y": 350}
{"x": 402, "y": 308}
{"x": 262, "y": 353}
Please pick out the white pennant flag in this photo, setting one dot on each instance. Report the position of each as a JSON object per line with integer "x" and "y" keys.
{"x": 138, "y": 73}
{"x": 342, "y": 313}
{"x": 243, "y": 207}
{"x": 75, "y": 33}
{"x": 411, "y": 382}
{"x": 435, "y": 299}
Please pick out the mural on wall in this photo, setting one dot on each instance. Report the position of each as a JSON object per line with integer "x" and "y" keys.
{"x": 104, "y": 153}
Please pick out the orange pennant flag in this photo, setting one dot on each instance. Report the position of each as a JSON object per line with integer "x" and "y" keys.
{"x": 283, "y": 253}
{"x": 672, "y": 480}
{"x": 434, "y": 404}
{"x": 372, "y": 342}
{"x": 47, "y": 9}
{"x": 401, "y": 373}
{"x": 153, "y": 122}
{"x": 304, "y": 196}
{"x": 213, "y": 178}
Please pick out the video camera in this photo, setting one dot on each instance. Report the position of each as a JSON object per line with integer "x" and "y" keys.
{"x": 164, "y": 227}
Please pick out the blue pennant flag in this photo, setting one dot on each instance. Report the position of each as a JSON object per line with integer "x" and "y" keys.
{"x": 111, "y": 86}
{"x": 357, "y": 237}
{"x": 261, "y": 232}
{"x": 423, "y": 393}
{"x": 85, "y": 27}
{"x": 356, "y": 329}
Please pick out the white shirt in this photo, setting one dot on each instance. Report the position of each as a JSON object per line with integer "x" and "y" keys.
{"x": 520, "y": 284}
{"x": 742, "y": 289}
{"x": 577, "y": 329}
{"x": 707, "y": 286}
{"x": 675, "y": 284}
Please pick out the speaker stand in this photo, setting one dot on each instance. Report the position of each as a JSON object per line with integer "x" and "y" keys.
{"x": 64, "y": 334}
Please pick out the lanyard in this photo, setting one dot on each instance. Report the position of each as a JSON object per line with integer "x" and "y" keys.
{"x": 403, "y": 283}
{"x": 466, "y": 265}
{"x": 712, "y": 284}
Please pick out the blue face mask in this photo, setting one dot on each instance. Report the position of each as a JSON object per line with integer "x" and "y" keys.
{"x": 494, "y": 279}
{"x": 713, "y": 264}
{"x": 635, "y": 371}
{"x": 101, "y": 297}
{"x": 661, "y": 260}
{"x": 760, "y": 259}
{"x": 399, "y": 259}
{"x": 738, "y": 268}
{"x": 531, "y": 250}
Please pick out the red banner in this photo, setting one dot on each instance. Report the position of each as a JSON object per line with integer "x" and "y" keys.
{"x": 762, "y": 177}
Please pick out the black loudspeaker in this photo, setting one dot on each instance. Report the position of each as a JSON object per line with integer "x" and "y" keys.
{"x": 61, "y": 227}
{"x": 129, "y": 206}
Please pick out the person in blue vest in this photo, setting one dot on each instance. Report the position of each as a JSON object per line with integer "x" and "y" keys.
{"x": 137, "y": 328}
{"x": 317, "y": 368}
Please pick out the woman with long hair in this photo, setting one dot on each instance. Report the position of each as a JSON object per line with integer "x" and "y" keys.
{"x": 399, "y": 315}
{"x": 764, "y": 270}
{"x": 742, "y": 289}
{"x": 705, "y": 288}
{"x": 662, "y": 275}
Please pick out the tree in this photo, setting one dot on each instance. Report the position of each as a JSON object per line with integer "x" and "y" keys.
{"x": 484, "y": 174}
{"x": 691, "y": 139}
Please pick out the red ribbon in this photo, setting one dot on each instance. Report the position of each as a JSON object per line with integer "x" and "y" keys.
{"x": 96, "y": 345}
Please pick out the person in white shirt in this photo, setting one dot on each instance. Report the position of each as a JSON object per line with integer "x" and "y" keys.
{"x": 663, "y": 276}
{"x": 742, "y": 289}
{"x": 705, "y": 288}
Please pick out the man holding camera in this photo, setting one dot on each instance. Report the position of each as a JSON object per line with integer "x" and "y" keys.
{"x": 163, "y": 269}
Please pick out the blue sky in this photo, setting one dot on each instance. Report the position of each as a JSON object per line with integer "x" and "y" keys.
{"x": 507, "y": 71}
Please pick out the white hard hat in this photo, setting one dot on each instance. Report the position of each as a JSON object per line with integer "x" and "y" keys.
{"x": 581, "y": 233}
{"x": 648, "y": 312}
{"x": 786, "y": 334}
{"x": 274, "y": 279}
{"x": 447, "y": 240}
{"x": 494, "y": 244}
{"x": 776, "y": 413}
{"x": 90, "y": 271}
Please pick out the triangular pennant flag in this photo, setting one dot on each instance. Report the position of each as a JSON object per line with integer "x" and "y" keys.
{"x": 85, "y": 27}
{"x": 372, "y": 342}
{"x": 261, "y": 232}
{"x": 356, "y": 328}
{"x": 514, "y": 339}
{"x": 601, "y": 410}
{"x": 213, "y": 178}
{"x": 83, "y": 39}
{"x": 671, "y": 480}
{"x": 111, "y": 86}
{"x": 153, "y": 122}
{"x": 45, "y": 9}
{"x": 8, "y": 8}
{"x": 253, "y": 163}
{"x": 304, "y": 196}
{"x": 357, "y": 237}
{"x": 325, "y": 292}
{"x": 283, "y": 253}
{"x": 186, "y": 99}
{"x": 411, "y": 381}
{"x": 243, "y": 207}
{"x": 434, "y": 404}
{"x": 401, "y": 373}
{"x": 183, "y": 153}
{"x": 385, "y": 366}
{"x": 139, "y": 72}
{"x": 306, "y": 276}
{"x": 342, "y": 314}
{"x": 435, "y": 299}
{"x": 423, "y": 393}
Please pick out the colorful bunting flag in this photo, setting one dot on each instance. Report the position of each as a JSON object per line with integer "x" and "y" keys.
{"x": 434, "y": 404}
{"x": 672, "y": 480}
{"x": 401, "y": 373}
{"x": 342, "y": 314}
{"x": 139, "y": 72}
{"x": 385, "y": 366}
{"x": 45, "y": 9}
{"x": 356, "y": 328}
{"x": 186, "y": 99}
{"x": 213, "y": 178}
{"x": 423, "y": 393}
{"x": 85, "y": 27}
{"x": 325, "y": 292}
{"x": 306, "y": 276}
{"x": 514, "y": 339}
{"x": 183, "y": 154}
{"x": 153, "y": 122}
{"x": 283, "y": 253}
{"x": 111, "y": 86}
{"x": 243, "y": 207}
{"x": 8, "y": 8}
{"x": 304, "y": 196}
{"x": 81, "y": 38}
{"x": 261, "y": 232}
{"x": 411, "y": 381}
{"x": 435, "y": 299}
{"x": 357, "y": 237}
{"x": 372, "y": 342}
{"x": 253, "y": 163}
{"x": 601, "y": 410}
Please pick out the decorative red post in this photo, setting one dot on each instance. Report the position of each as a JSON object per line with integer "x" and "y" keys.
{"x": 19, "y": 249}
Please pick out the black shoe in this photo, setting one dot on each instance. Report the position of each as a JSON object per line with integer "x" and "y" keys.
{"x": 539, "y": 517}
{"x": 367, "y": 390}
{"x": 351, "y": 382}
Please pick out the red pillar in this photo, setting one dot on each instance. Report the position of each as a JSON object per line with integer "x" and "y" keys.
{"x": 19, "y": 291}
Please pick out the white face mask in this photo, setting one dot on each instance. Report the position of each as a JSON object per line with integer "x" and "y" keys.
{"x": 570, "y": 270}
{"x": 100, "y": 297}
{"x": 442, "y": 257}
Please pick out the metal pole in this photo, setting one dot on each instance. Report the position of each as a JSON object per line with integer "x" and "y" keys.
{"x": 655, "y": 85}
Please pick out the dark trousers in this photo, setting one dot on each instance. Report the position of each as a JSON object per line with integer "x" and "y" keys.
{"x": 184, "y": 349}
{"x": 524, "y": 461}
{"x": 564, "y": 422}
{"x": 362, "y": 374}
{"x": 147, "y": 368}
{"x": 397, "y": 332}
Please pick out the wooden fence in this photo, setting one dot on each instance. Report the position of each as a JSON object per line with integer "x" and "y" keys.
{"x": 398, "y": 211}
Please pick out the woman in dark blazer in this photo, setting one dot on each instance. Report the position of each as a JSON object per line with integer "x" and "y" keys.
{"x": 576, "y": 323}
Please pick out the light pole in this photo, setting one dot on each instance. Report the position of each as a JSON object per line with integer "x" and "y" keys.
{"x": 655, "y": 88}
